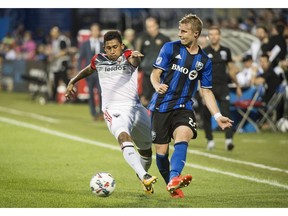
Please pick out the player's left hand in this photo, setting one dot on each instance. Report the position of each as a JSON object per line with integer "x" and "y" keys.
{"x": 136, "y": 54}
{"x": 224, "y": 122}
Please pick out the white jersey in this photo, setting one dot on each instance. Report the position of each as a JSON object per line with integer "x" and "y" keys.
{"x": 118, "y": 80}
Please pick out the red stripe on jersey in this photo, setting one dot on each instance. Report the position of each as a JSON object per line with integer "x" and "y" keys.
{"x": 93, "y": 62}
{"x": 127, "y": 53}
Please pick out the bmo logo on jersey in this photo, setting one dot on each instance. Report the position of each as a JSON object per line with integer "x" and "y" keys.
{"x": 191, "y": 74}
{"x": 116, "y": 68}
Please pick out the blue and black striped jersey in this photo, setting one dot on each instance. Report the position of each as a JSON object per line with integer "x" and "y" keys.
{"x": 181, "y": 72}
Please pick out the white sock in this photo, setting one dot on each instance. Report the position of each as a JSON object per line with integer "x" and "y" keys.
{"x": 211, "y": 143}
{"x": 146, "y": 162}
{"x": 132, "y": 158}
{"x": 227, "y": 141}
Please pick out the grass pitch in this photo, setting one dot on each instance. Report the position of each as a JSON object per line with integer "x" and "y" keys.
{"x": 48, "y": 163}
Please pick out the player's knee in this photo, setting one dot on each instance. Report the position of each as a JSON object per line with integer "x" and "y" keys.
{"x": 162, "y": 149}
{"x": 124, "y": 137}
{"x": 145, "y": 153}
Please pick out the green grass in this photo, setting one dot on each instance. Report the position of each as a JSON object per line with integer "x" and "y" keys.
{"x": 40, "y": 170}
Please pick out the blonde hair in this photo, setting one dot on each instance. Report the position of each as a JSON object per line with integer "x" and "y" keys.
{"x": 194, "y": 20}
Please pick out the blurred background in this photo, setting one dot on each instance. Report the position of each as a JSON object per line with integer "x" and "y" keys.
{"x": 27, "y": 49}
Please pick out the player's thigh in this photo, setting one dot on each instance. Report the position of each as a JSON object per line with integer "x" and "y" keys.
{"x": 184, "y": 125}
{"x": 118, "y": 121}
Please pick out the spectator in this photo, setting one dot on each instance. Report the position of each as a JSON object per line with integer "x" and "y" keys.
{"x": 271, "y": 81}
{"x": 58, "y": 58}
{"x": 149, "y": 44}
{"x": 277, "y": 45}
{"x": 260, "y": 45}
{"x": 87, "y": 50}
{"x": 28, "y": 47}
{"x": 8, "y": 48}
{"x": 10, "y": 52}
{"x": 41, "y": 54}
{"x": 128, "y": 40}
{"x": 246, "y": 76}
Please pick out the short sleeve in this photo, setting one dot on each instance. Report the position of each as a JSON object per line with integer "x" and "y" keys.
{"x": 93, "y": 62}
{"x": 164, "y": 57}
{"x": 229, "y": 56}
{"x": 206, "y": 78}
{"x": 127, "y": 53}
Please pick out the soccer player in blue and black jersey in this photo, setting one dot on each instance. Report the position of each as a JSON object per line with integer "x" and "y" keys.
{"x": 177, "y": 70}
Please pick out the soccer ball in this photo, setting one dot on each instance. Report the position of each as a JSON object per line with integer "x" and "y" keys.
{"x": 102, "y": 184}
{"x": 282, "y": 125}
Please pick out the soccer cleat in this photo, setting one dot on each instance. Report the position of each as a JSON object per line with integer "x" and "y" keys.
{"x": 178, "y": 182}
{"x": 178, "y": 193}
{"x": 229, "y": 146}
{"x": 148, "y": 182}
{"x": 210, "y": 145}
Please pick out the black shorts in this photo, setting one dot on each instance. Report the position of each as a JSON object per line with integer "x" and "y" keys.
{"x": 164, "y": 124}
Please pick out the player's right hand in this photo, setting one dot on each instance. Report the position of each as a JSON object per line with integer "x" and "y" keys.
{"x": 224, "y": 122}
{"x": 161, "y": 88}
{"x": 70, "y": 92}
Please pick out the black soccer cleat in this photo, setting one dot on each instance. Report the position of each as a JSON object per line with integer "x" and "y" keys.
{"x": 229, "y": 147}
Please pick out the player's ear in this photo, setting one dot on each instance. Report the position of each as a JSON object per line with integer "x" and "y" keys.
{"x": 196, "y": 34}
{"x": 123, "y": 47}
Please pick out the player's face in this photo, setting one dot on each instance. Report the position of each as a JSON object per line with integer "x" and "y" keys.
{"x": 261, "y": 34}
{"x": 214, "y": 36}
{"x": 186, "y": 34}
{"x": 113, "y": 49}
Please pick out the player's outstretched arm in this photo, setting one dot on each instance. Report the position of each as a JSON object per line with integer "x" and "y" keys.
{"x": 70, "y": 92}
{"x": 211, "y": 104}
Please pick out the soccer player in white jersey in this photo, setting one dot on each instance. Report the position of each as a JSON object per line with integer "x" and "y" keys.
{"x": 126, "y": 118}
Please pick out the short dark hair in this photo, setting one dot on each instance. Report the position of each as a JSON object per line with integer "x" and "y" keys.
{"x": 95, "y": 24}
{"x": 265, "y": 55}
{"x": 111, "y": 35}
{"x": 214, "y": 27}
{"x": 280, "y": 28}
{"x": 262, "y": 27}
{"x": 156, "y": 19}
{"x": 247, "y": 58}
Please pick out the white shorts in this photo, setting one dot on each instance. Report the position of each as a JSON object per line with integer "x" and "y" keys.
{"x": 133, "y": 120}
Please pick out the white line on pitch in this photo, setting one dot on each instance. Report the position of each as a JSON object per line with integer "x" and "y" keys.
{"x": 253, "y": 179}
{"x": 236, "y": 161}
{"x": 104, "y": 145}
{"x": 27, "y": 114}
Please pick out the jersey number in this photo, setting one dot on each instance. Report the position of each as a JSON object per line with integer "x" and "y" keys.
{"x": 191, "y": 122}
